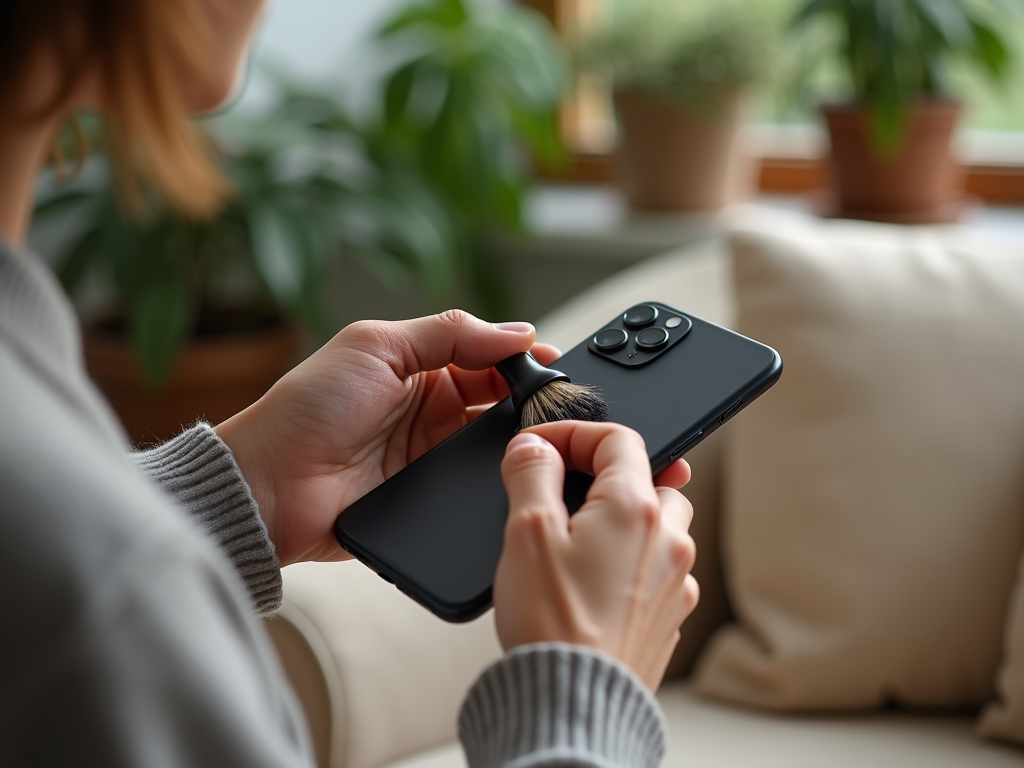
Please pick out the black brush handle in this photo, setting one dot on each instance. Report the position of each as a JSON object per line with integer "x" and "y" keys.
{"x": 525, "y": 376}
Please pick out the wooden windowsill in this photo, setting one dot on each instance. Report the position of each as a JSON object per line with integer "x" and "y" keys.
{"x": 993, "y": 182}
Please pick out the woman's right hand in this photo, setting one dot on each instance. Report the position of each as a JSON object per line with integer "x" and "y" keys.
{"x": 616, "y": 575}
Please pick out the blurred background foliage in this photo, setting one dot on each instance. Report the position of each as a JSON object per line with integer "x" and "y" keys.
{"x": 811, "y": 70}
{"x": 468, "y": 94}
{"x": 413, "y": 187}
{"x": 894, "y": 52}
{"x": 802, "y": 79}
{"x": 416, "y": 175}
{"x": 685, "y": 52}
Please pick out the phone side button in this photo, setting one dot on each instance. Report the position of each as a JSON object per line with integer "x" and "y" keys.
{"x": 730, "y": 412}
{"x": 686, "y": 444}
{"x": 386, "y": 578}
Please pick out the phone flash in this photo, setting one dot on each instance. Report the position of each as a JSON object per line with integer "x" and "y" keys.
{"x": 673, "y": 322}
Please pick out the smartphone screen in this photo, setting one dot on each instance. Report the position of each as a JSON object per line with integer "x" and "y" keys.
{"x": 435, "y": 528}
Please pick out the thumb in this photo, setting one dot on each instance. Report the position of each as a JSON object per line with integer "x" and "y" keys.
{"x": 534, "y": 475}
{"x": 431, "y": 343}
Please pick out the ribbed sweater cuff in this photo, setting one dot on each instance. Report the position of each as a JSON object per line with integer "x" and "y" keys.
{"x": 198, "y": 470}
{"x": 553, "y": 703}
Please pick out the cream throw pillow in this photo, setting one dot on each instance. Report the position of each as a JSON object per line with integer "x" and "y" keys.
{"x": 874, "y": 496}
{"x": 1004, "y": 719}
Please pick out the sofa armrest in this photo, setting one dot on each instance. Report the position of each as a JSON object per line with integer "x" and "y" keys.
{"x": 390, "y": 675}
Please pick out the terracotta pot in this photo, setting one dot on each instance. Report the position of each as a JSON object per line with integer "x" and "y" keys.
{"x": 214, "y": 378}
{"x": 920, "y": 183}
{"x": 672, "y": 158}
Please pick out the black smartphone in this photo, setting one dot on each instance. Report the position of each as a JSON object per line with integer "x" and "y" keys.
{"x": 435, "y": 529}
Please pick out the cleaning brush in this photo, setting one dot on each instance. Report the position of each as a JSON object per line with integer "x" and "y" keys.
{"x": 541, "y": 394}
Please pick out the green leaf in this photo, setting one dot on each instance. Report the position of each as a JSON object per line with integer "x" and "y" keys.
{"x": 276, "y": 253}
{"x": 162, "y": 316}
{"x": 949, "y": 20}
{"x": 992, "y": 50}
{"x": 86, "y": 252}
{"x": 134, "y": 252}
{"x": 61, "y": 202}
{"x": 542, "y": 135}
{"x": 388, "y": 267}
{"x": 816, "y": 8}
{"x": 441, "y": 14}
{"x": 523, "y": 54}
{"x": 397, "y": 89}
{"x": 507, "y": 197}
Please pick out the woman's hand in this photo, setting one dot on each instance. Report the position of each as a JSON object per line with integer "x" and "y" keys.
{"x": 616, "y": 575}
{"x": 371, "y": 400}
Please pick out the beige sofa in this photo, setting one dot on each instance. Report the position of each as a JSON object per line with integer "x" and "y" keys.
{"x": 381, "y": 679}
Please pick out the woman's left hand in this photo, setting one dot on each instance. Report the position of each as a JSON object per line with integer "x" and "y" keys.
{"x": 371, "y": 400}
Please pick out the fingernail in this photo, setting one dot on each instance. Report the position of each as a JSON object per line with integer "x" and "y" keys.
{"x": 514, "y": 327}
{"x": 524, "y": 438}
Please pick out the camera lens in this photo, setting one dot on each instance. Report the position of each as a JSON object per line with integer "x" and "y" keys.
{"x": 610, "y": 339}
{"x": 640, "y": 315}
{"x": 651, "y": 338}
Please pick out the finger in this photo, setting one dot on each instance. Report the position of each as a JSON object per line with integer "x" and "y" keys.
{"x": 476, "y": 411}
{"x": 534, "y": 476}
{"x": 675, "y": 475}
{"x": 488, "y": 386}
{"x": 676, "y": 509}
{"x": 431, "y": 343}
{"x": 691, "y": 594}
{"x": 478, "y": 387}
{"x": 545, "y": 354}
{"x": 678, "y": 601}
{"x": 614, "y": 454}
{"x": 594, "y": 447}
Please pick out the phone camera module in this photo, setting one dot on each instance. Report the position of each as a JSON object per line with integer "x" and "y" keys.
{"x": 640, "y": 315}
{"x": 651, "y": 338}
{"x": 611, "y": 339}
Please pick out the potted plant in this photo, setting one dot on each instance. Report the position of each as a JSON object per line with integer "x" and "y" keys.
{"x": 891, "y": 157}
{"x": 470, "y": 101}
{"x": 680, "y": 73}
{"x": 415, "y": 191}
{"x": 198, "y": 318}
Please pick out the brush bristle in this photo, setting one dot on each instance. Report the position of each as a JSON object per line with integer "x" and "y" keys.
{"x": 561, "y": 400}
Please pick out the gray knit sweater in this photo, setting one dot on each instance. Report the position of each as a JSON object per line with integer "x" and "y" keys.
{"x": 130, "y": 634}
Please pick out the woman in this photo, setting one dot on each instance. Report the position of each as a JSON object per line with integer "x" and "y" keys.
{"x": 134, "y": 580}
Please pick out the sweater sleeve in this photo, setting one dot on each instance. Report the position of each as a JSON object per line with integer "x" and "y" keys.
{"x": 199, "y": 472}
{"x": 553, "y": 704}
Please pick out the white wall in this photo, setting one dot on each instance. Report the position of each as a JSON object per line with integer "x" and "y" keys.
{"x": 321, "y": 37}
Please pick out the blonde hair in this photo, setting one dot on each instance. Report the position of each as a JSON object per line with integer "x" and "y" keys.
{"x": 138, "y": 47}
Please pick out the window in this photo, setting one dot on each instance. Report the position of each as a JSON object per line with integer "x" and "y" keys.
{"x": 792, "y": 155}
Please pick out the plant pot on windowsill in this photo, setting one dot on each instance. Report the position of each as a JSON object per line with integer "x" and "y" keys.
{"x": 918, "y": 183}
{"x": 215, "y": 376}
{"x": 676, "y": 158}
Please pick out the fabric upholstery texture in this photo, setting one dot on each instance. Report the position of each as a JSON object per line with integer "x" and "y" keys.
{"x": 1004, "y": 718}
{"x": 874, "y": 496}
{"x": 395, "y": 674}
{"x": 367, "y": 636}
{"x": 703, "y": 733}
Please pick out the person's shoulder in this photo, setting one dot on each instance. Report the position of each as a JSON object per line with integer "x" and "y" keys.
{"x": 74, "y": 508}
